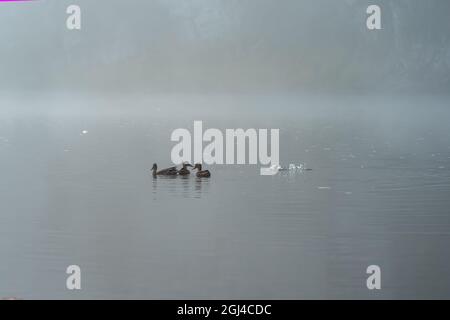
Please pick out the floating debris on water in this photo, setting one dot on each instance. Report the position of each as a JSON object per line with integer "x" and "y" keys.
{"x": 294, "y": 167}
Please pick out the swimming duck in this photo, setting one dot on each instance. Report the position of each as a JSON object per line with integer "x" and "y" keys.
{"x": 184, "y": 171}
{"x": 201, "y": 173}
{"x": 172, "y": 171}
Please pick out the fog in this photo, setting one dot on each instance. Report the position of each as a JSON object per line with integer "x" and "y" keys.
{"x": 84, "y": 115}
{"x": 225, "y": 46}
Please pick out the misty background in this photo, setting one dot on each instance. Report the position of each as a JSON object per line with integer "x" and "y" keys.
{"x": 84, "y": 115}
{"x": 220, "y": 46}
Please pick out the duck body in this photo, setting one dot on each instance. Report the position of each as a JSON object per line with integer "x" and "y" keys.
{"x": 172, "y": 171}
{"x": 184, "y": 170}
{"x": 201, "y": 173}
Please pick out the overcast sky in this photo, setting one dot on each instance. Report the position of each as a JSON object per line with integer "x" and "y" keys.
{"x": 209, "y": 46}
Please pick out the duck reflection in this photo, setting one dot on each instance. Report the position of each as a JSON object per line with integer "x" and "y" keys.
{"x": 184, "y": 186}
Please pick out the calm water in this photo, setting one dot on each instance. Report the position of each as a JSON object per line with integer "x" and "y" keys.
{"x": 379, "y": 193}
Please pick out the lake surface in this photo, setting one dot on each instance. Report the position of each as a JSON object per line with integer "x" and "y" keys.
{"x": 76, "y": 188}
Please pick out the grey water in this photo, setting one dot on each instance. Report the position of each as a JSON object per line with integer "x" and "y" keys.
{"x": 76, "y": 189}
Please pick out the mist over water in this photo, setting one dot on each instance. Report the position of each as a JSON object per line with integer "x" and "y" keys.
{"x": 76, "y": 188}
{"x": 225, "y": 47}
{"x": 84, "y": 115}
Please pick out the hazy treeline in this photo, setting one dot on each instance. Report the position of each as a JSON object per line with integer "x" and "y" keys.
{"x": 208, "y": 46}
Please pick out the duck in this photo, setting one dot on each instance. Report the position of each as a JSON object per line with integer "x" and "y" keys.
{"x": 184, "y": 171}
{"x": 172, "y": 171}
{"x": 201, "y": 173}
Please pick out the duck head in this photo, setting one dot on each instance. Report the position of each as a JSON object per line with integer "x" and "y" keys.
{"x": 187, "y": 164}
{"x": 155, "y": 167}
{"x": 198, "y": 166}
